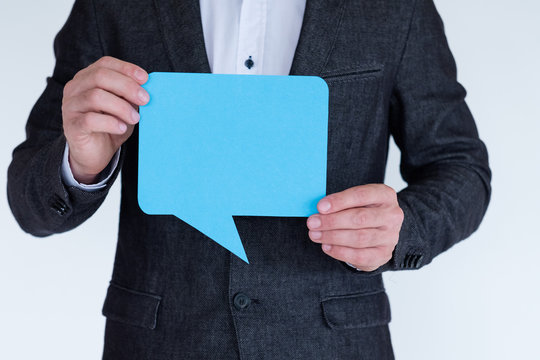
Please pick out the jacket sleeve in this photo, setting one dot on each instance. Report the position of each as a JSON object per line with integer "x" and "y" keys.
{"x": 443, "y": 161}
{"x": 39, "y": 200}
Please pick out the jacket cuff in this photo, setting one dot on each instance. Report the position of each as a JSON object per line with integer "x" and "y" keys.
{"x": 411, "y": 251}
{"x": 64, "y": 201}
{"x": 102, "y": 179}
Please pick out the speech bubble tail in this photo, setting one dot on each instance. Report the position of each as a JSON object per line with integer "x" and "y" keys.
{"x": 221, "y": 229}
{"x": 241, "y": 253}
{"x": 224, "y": 232}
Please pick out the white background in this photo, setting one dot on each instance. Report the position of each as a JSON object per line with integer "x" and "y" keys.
{"x": 480, "y": 300}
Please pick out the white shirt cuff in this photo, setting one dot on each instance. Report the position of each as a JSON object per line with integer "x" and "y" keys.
{"x": 102, "y": 179}
{"x": 354, "y": 267}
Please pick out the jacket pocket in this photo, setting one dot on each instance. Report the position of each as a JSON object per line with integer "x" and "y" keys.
{"x": 353, "y": 73}
{"x": 356, "y": 310}
{"x": 131, "y": 307}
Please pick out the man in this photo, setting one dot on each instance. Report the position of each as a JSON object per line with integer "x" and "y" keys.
{"x": 311, "y": 290}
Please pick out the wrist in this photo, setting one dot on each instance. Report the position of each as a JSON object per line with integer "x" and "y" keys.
{"x": 79, "y": 174}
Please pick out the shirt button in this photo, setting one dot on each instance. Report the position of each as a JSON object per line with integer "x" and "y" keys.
{"x": 241, "y": 301}
{"x": 249, "y": 63}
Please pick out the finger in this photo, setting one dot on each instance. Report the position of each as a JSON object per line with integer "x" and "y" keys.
{"x": 100, "y": 123}
{"x": 98, "y": 100}
{"x": 350, "y": 219}
{"x": 358, "y": 196}
{"x": 133, "y": 71}
{"x": 367, "y": 259}
{"x": 113, "y": 82}
{"x": 362, "y": 238}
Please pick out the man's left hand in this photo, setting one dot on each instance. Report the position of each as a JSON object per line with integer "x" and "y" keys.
{"x": 359, "y": 225}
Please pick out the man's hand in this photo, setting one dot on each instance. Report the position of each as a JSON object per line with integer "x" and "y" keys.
{"x": 359, "y": 225}
{"x": 99, "y": 111}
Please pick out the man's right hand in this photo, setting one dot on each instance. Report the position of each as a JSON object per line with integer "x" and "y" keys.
{"x": 99, "y": 111}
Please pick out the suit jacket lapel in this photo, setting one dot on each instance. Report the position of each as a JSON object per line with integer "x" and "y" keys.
{"x": 319, "y": 28}
{"x": 184, "y": 39}
{"x": 183, "y": 35}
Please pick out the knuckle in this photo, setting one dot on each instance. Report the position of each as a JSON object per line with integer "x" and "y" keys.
{"x": 358, "y": 193}
{"x": 385, "y": 187}
{"x": 341, "y": 253}
{"x": 371, "y": 268}
{"x": 394, "y": 241}
{"x": 359, "y": 218}
{"x": 94, "y": 96}
{"x": 366, "y": 268}
{"x": 394, "y": 199}
{"x": 334, "y": 236}
{"x": 360, "y": 258}
{"x": 78, "y": 75}
{"x": 100, "y": 75}
{"x": 374, "y": 187}
{"x": 386, "y": 191}
{"x": 385, "y": 252}
{"x": 68, "y": 88}
{"x": 362, "y": 236}
{"x": 328, "y": 221}
{"x": 67, "y": 107}
{"x": 105, "y": 61}
{"x": 127, "y": 69}
{"x": 130, "y": 90}
{"x": 401, "y": 215}
{"x": 397, "y": 216}
{"x": 67, "y": 122}
{"x": 388, "y": 257}
{"x": 85, "y": 120}
{"x": 64, "y": 108}
{"x": 97, "y": 96}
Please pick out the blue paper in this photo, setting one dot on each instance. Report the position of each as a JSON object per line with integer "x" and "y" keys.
{"x": 213, "y": 146}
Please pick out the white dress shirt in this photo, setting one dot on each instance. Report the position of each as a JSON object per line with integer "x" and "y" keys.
{"x": 241, "y": 37}
{"x": 265, "y": 30}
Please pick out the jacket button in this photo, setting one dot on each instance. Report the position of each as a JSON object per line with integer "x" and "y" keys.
{"x": 241, "y": 301}
{"x": 59, "y": 206}
{"x": 412, "y": 261}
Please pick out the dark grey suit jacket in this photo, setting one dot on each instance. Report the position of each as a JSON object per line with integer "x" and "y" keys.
{"x": 174, "y": 293}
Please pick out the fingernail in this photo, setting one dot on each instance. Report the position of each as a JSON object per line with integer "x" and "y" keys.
{"x": 143, "y": 95}
{"x": 314, "y": 222}
{"x": 140, "y": 75}
{"x": 315, "y": 235}
{"x": 135, "y": 116}
{"x": 326, "y": 247}
{"x": 122, "y": 127}
{"x": 324, "y": 205}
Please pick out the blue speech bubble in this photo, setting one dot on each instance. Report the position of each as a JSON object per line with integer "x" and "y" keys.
{"x": 213, "y": 146}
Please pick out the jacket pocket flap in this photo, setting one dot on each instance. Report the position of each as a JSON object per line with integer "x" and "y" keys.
{"x": 355, "y": 72}
{"x": 131, "y": 307}
{"x": 357, "y": 310}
